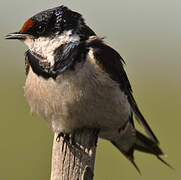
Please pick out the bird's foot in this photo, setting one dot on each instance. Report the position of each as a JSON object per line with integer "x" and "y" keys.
{"x": 59, "y": 136}
{"x": 66, "y": 137}
{"x": 69, "y": 139}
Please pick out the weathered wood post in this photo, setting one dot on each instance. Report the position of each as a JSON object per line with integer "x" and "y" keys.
{"x": 74, "y": 161}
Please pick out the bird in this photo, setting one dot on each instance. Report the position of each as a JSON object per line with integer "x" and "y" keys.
{"x": 75, "y": 80}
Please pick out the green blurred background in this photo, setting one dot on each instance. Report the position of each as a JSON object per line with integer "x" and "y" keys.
{"x": 147, "y": 34}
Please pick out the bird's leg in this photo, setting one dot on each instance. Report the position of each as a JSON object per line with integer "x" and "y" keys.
{"x": 65, "y": 136}
{"x": 66, "y": 139}
{"x": 69, "y": 139}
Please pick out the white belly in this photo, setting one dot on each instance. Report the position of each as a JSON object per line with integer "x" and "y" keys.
{"x": 78, "y": 98}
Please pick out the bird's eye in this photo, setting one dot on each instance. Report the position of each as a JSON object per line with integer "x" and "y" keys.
{"x": 40, "y": 29}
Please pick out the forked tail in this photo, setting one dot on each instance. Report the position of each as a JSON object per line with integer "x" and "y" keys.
{"x": 143, "y": 144}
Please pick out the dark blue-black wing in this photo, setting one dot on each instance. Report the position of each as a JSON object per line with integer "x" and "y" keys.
{"x": 112, "y": 63}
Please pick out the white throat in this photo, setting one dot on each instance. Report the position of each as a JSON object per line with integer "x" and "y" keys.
{"x": 45, "y": 46}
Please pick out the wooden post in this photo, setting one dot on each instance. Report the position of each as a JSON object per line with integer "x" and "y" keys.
{"x": 74, "y": 161}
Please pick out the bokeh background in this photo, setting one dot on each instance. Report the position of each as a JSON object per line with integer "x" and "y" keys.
{"x": 147, "y": 34}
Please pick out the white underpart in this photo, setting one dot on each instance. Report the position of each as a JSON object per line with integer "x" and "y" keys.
{"x": 86, "y": 96}
{"x": 45, "y": 46}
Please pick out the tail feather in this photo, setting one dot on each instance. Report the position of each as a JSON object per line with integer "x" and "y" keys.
{"x": 128, "y": 155}
{"x": 146, "y": 145}
{"x": 140, "y": 118}
{"x": 134, "y": 164}
{"x": 164, "y": 162}
{"x": 143, "y": 144}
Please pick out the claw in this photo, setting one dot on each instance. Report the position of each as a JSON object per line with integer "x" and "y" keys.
{"x": 59, "y": 136}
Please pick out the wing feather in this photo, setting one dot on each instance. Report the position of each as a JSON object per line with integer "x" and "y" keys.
{"x": 112, "y": 63}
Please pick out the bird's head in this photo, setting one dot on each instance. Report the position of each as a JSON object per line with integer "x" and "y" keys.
{"x": 48, "y": 30}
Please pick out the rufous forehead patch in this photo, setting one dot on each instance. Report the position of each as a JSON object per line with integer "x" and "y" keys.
{"x": 28, "y": 24}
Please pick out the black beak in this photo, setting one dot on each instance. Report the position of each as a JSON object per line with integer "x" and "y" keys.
{"x": 17, "y": 35}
